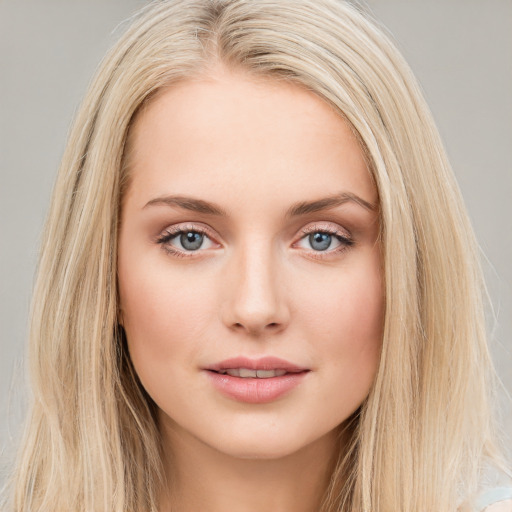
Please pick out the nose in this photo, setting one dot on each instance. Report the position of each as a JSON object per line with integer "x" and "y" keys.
{"x": 256, "y": 304}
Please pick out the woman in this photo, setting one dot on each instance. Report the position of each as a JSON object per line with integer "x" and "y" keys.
{"x": 258, "y": 284}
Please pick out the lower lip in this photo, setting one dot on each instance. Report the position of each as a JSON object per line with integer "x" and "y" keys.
{"x": 254, "y": 390}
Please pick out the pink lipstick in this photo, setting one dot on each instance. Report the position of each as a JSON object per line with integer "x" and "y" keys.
{"x": 255, "y": 381}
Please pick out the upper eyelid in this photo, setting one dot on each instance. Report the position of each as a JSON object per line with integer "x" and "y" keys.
{"x": 310, "y": 227}
{"x": 327, "y": 227}
{"x": 333, "y": 229}
{"x": 182, "y": 227}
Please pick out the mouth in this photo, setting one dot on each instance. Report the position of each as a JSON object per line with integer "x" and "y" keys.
{"x": 256, "y": 381}
{"x": 262, "y": 368}
{"x": 247, "y": 373}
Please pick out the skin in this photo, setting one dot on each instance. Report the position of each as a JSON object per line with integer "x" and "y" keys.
{"x": 256, "y": 287}
{"x": 502, "y": 506}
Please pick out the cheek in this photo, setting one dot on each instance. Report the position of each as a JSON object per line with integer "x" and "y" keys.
{"x": 344, "y": 319}
{"x": 349, "y": 302}
{"x": 163, "y": 311}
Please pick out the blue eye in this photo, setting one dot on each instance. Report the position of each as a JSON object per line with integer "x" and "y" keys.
{"x": 320, "y": 241}
{"x": 328, "y": 240}
{"x": 191, "y": 240}
{"x": 183, "y": 240}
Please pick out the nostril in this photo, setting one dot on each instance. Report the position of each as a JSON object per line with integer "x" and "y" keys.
{"x": 272, "y": 325}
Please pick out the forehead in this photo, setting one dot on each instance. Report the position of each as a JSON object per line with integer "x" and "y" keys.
{"x": 233, "y": 132}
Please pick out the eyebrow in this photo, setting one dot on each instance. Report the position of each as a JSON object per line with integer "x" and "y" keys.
{"x": 188, "y": 203}
{"x": 300, "y": 208}
{"x": 329, "y": 202}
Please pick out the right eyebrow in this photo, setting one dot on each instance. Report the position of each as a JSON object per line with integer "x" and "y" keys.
{"x": 188, "y": 203}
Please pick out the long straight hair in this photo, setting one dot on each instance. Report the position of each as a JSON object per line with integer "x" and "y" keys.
{"x": 421, "y": 438}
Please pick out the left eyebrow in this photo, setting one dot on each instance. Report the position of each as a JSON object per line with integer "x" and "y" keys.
{"x": 329, "y": 202}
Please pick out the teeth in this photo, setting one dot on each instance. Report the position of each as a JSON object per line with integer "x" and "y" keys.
{"x": 247, "y": 373}
{"x": 244, "y": 372}
{"x": 265, "y": 374}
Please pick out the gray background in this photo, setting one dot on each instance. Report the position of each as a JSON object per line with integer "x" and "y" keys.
{"x": 461, "y": 51}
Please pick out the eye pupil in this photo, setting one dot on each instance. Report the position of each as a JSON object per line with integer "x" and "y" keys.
{"x": 191, "y": 240}
{"x": 320, "y": 241}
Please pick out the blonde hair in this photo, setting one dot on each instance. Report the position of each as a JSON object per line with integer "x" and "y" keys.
{"x": 420, "y": 439}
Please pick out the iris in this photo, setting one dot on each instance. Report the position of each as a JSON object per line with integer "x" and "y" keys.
{"x": 320, "y": 241}
{"x": 191, "y": 240}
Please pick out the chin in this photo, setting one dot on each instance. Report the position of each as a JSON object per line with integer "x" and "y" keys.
{"x": 261, "y": 444}
{"x": 261, "y": 450}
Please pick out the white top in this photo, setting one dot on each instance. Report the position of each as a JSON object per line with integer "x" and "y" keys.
{"x": 495, "y": 500}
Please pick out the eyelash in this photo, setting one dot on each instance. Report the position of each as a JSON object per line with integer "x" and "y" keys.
{"x": 174, "y": 231}
{"x": 345, "y": 241}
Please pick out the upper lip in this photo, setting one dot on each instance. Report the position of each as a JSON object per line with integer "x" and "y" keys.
{"x": 263, "y": 363}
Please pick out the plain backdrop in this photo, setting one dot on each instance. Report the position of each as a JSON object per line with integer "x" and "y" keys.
{"x": 461, "y": 51}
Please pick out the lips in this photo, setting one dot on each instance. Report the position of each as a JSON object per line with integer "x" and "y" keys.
{"x": 247, "y": 373}
{"x": 255, "y": 380}
{"x": 264, "y": 363}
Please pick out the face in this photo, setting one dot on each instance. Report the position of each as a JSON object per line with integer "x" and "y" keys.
{"x": 249, "y": 267}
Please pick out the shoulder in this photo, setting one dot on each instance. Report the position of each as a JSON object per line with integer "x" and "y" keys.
{"x": 500, "y": 506}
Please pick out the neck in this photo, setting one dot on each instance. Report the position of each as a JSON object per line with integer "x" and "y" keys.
{"x": 202, "y": 478}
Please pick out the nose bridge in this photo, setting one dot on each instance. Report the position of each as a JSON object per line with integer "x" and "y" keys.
{"x": 256, "y": 301}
